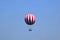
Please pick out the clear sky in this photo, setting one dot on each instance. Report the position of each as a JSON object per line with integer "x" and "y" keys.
{"x": 13, "y": 26}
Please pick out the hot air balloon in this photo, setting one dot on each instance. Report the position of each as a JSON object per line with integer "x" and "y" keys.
{"x": 30, "y": 20}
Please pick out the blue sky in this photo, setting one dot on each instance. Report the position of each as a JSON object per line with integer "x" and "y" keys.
{"x": 13, "y": 26}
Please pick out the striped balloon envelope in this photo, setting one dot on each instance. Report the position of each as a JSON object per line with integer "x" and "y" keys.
{"x": 30, "y": 19}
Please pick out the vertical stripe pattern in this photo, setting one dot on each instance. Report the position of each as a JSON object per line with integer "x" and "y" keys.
{"x": 30, "y": 19}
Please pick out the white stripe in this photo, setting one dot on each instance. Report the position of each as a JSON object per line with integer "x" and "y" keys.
{"x": 31, "y": 17}
{"x": 28, "y": 16}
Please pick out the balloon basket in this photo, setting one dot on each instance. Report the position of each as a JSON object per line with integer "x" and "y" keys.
{"x": 30, "y": 29}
